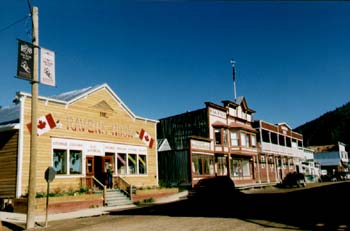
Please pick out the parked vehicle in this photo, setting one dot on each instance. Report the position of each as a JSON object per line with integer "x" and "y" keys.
{"x": 294, "y": 179}
{"x": 217, "y": 188}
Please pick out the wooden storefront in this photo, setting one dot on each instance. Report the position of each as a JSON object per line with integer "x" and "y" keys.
{"x": 80, "y": 134}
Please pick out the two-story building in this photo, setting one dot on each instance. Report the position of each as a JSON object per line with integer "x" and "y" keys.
{"x": 280, "y": 151}
{"x": 213, "y": 141}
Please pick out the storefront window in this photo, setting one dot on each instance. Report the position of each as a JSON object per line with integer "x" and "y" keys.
{"x": 240, "y": 168}
{"x": 75, "y": 162}
{"x": 235, "y": 166}
{"x": 121, "y": 164}
{"x": 245, "y": 168}
{"x": 60, "y": 161}
{"x": 202, "y": 164}
{"x": 132, "y": 165}
{"x": 142, "y": 164}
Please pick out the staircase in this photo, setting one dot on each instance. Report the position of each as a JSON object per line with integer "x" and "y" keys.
{"x": 115, "y": 197}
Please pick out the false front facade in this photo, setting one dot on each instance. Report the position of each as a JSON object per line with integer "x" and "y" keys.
{"x": 218, "y": 140}
{"x": 82, "y": 134}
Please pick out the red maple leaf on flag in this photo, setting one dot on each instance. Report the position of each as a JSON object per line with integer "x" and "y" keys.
{"x": 41, "y": 124}
{"x": 147, "y": 138}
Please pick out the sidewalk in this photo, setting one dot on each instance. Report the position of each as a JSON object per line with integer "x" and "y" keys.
{"x": 19, "y": 218}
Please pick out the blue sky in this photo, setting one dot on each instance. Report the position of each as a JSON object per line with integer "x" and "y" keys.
{"x": 167, "y": 57}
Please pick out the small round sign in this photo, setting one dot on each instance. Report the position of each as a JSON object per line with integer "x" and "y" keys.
{"x": 50, "y": 174}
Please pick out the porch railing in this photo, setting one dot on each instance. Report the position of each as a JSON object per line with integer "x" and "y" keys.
{"x": 91, "y": 182}
{"x": 124, "y": 185}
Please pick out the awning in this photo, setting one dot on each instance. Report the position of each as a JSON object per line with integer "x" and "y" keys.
{"x": 242, "y": 127}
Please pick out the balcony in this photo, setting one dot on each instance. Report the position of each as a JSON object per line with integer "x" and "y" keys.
{"x": 282, "y": 150}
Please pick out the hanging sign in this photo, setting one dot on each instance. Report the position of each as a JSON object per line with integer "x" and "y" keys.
{"x": 25, "y": 60}
{"x": 47, "y": 67}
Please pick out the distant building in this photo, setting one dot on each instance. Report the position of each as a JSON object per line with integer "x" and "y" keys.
{"x": 334, "y": 159}
{"x": 310, "y": 167}
{"x": 280, "y": 151}
{"x": 213, "y": 141}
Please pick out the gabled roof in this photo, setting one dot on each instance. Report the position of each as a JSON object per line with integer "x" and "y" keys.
{"x": 239, "y": 101}
{"x": 163, "y": 145}
{"x": 285, "y": 124}
{"x": 75, "y": 95}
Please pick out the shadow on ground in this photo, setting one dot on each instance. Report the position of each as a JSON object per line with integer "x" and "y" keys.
{"x": 318, "y": 208}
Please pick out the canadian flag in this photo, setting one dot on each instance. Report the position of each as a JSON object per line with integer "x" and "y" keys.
{"x": 146, "y": 138}
{"x": 44, "y": 124}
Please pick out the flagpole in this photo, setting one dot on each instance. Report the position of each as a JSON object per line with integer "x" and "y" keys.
{"x": 234, "y": 78}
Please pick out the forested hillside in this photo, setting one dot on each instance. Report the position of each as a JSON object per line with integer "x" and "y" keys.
{"x": 329, "y": 128}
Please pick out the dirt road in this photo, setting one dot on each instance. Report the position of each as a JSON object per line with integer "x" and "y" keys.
{"x": 312, "y": 208}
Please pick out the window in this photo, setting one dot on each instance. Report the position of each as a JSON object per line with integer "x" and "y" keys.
{"x": 253, "y": 140}
{"x": 60, "y": 161}
{"x": 274, "y": 138}
{"x": 235, "y": 167}
{"x": 281, "y": 140}
{"x": 265, "y": 136}
{"x": 142, "y": 164}
{"x": 243, "y": 139}
{"x": 288, "y": 142}
{"x": 240, "y": 168}
{"x": 217, "y": 136}
{"x": 234, "y": 139}
{"x": 245, "y": 168}
{"x": 121, "y": 164}
{"x": 132, "y": 165}
{"x": 202, "y": 164}
{"x": 75, "y": 162}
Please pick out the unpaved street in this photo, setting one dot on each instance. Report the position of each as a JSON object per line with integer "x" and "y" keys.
{"x": 311, "y": 208}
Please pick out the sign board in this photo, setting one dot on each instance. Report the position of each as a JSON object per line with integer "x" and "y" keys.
{"x": 47, "y": 67}
{"x": 50, "y": 174}
{"x": 25, "y": 60}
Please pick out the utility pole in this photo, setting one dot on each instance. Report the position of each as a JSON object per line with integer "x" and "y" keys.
{"x": 33, "y": 142}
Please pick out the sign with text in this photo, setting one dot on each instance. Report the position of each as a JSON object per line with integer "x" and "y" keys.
{"x": 47, "y": 67}
{"x": 25, "y": 60}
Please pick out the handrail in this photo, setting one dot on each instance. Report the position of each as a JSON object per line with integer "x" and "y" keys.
{"x": 104, "y": 189}
{"x": 124, "y": 185}
{"x": 99, "y": 182}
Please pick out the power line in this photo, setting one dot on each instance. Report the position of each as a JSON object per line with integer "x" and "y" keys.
{"x": 14, "y": 23}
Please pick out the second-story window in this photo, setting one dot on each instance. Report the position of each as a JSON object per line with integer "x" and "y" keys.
{"x": 217, "y": 136}
{"x": 243, "y": 139}
{"x": 234, "y": 138}
{"x": 253, "y": 140}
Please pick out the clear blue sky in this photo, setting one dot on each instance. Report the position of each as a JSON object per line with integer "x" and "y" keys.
{"x": 166, "y": 57}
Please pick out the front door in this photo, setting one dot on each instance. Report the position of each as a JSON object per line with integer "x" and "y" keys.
{"x": 108, "y": 169}
{"x": 90, "y": 171}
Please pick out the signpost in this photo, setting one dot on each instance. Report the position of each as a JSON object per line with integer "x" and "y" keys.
{"x": 50, "y": 174}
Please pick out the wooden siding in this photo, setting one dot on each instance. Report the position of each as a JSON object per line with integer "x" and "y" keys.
{"x": 174, "y": 168}
{"x": 178, "y": 129}
{"x": 98, "y": 117}
{"x": 8, "y": 163}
